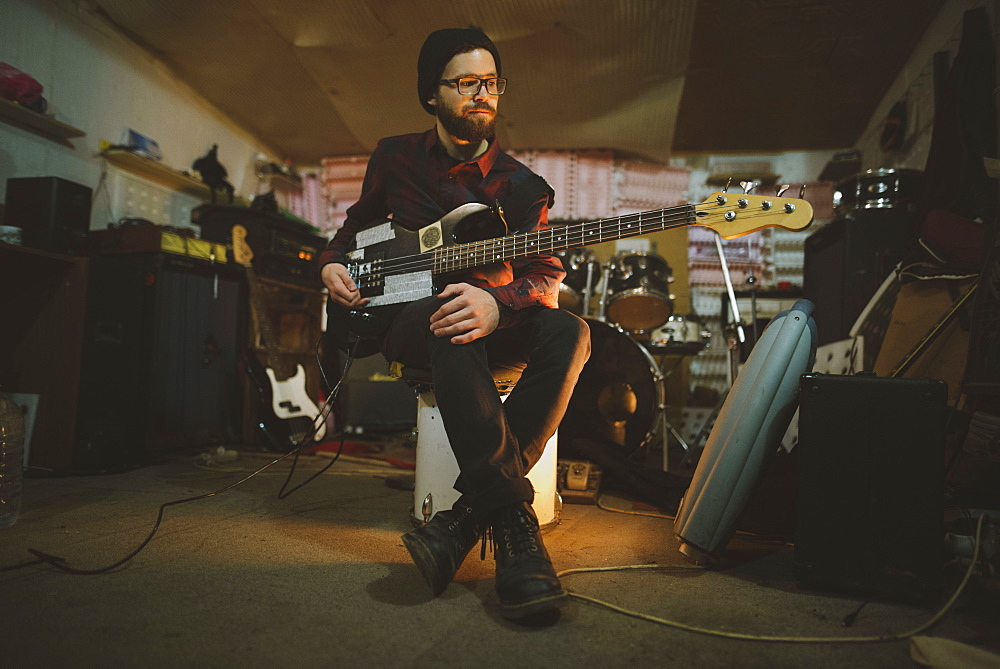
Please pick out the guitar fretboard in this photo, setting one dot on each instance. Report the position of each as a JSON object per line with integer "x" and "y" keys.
{"x": 729, "y": 215}
{"x": 503, "y": 249}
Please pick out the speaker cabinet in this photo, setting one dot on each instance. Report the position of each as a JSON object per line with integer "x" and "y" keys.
{"x": 371, "y": 400}
{"x": 53, "y": 213}
{"x": 847, "y": 260}
{"x": 870, "y": 485}
{"x": 162, "y": 341}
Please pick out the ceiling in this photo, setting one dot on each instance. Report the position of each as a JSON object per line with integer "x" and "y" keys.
{"x": 650, "y": 78}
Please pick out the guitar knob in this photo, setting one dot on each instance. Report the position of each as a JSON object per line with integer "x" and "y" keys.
{"x": 365, "y": 316}
{"x": 353, "y": 313}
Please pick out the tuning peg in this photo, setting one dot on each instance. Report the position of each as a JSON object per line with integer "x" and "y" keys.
{"x": 725, "y": 189}
{"x": 802, "y": 191}
{"x": 747, "y": 186}
{"x": 781, "y": 190}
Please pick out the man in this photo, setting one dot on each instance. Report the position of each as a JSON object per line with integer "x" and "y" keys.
{"x": 503, "y": 314}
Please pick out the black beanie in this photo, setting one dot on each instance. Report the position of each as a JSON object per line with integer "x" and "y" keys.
{"x": 440, "y": 47}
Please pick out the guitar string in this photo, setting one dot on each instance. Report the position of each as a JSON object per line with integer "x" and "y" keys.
{"x": 480, "y": 248}
{"x": 484, "y": 251}
{"x": 489, "y": 250}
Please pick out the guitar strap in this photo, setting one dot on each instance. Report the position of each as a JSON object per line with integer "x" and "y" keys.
{"x": 524, "y": 195}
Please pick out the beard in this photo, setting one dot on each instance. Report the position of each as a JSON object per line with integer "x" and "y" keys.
{"x": 473, "y": 128}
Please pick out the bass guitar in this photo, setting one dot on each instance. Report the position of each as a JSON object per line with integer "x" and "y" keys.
{"x": 393, "y": 266}
{"x": 287, "y": 410}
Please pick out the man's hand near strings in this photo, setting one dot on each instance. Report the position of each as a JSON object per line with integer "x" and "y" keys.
{"x": 342, "y": 288}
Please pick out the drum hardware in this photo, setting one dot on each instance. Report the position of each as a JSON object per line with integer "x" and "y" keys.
{"x": 577, "y": 287}
{"x": 752, "y": 282}
{"x": 732, "y": 342}
{"x": 602, "y": 310}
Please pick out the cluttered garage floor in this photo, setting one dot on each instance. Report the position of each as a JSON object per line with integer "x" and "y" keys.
{"x": 254, "y": 576}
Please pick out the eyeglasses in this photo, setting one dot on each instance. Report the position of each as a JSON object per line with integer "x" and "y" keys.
{"x": 472, "y": 85}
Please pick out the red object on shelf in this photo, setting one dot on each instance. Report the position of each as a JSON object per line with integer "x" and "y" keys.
{"x": 17, "y": 86}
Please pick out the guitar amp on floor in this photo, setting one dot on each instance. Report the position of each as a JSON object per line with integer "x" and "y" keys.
{"x": 870, "y": 485}
{"x": 373, "y": 401}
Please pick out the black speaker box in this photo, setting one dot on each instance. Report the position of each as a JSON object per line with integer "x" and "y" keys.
{"x": 371, "y": 400}
{"x": 870, "y": 485}
{"x": 847, "y": 260}
{"x": 162, "y": 341}
{"x": 53, "y": 213}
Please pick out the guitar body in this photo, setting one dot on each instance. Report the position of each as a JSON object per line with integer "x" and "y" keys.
{"x": 289, "y": 398}
{"x": 379, "y": 244}
{"x": 285, "y": 409}
{"x": 287, "y": 416}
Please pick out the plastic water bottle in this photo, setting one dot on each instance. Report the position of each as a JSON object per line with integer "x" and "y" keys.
{"x": 11, "y": 457}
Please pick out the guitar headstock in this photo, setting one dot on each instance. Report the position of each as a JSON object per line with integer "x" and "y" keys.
{"x": 737, "y": 214}
{"x": 242, "y": 253}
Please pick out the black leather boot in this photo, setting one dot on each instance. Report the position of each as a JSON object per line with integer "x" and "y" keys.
{"x": 439, "y": 547}
{"x": 526, "y": 582}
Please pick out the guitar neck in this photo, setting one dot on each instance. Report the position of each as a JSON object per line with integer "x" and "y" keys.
{"x": 267, "y": 332}
{"x": 562, "y": 238}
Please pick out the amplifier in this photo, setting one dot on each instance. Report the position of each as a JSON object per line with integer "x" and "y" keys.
{"x": 283, "y": 249}
{"x": 54, "y": 213}
{"x": 871, "y": 484}
{"x": 152, "y": 239}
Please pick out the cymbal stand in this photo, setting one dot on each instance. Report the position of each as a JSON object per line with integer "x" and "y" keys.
{"x": 667, "y": 426}
{"x": 588, "y": 290}
{"x": 733, "y": 346}
{"x": 602, "y": 304}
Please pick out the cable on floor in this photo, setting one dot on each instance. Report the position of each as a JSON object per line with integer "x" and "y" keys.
{"x": 747, "y": 536}
{"x": 776, "y": 639}
{"x": 59, "y": 562}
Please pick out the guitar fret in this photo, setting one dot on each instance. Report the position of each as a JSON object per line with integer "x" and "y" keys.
{"x": 445, "y": 260}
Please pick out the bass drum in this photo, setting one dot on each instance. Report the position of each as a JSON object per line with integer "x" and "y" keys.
{"x": 639, "y": 289}
{"x": 618, "y": 396}
{"x": 574, "y": 291}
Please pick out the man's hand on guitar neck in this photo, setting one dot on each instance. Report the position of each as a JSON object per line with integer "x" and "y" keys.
{"x": 468, "y": 314}
{"x": 342, "y": 288}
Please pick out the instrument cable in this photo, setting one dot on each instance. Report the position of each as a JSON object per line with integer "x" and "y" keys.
{"x": 775, "y": 639}
{"x": 59, "y": 562}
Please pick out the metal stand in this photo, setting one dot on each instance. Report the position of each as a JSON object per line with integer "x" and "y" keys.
{"x": 602, "y": 304}
{"x": 733, "y": 346}
{"x": 666, "y": 426}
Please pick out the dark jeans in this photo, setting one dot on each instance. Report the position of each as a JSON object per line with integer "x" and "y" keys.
{"x": 496, "y": 443}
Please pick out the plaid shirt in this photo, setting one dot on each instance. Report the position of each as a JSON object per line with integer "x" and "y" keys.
{"x": 412, "y": 180}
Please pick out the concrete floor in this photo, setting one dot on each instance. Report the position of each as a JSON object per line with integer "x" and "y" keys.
{"x": 321, "y": 579}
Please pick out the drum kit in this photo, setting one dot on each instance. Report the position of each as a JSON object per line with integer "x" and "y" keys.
{"x": 620, "y": 398}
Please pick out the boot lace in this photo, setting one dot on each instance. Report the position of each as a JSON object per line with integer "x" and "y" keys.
{"x": 518, "y": 536}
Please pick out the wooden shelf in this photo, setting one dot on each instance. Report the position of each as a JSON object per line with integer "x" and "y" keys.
{"x": 282, "y": 183}
{"x": 22, "y": 117}
{"x": 158, "y": 172}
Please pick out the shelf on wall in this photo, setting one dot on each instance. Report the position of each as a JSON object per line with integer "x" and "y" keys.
{"x": 22, "y": 117}
{"x": 282, "y": 183}
{"x": 154, "y": 171}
